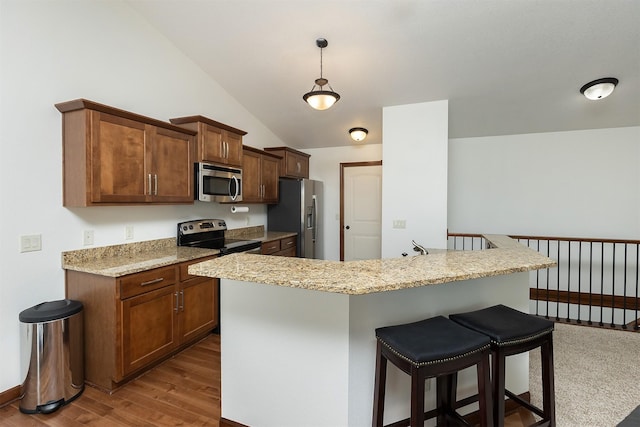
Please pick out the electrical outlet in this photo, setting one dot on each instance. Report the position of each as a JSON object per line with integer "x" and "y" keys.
{"x": 399, "y": 223}
{"x": 128, "y": 232}
{"x": 88, "y": 237}
{"x": 31, "y": 243}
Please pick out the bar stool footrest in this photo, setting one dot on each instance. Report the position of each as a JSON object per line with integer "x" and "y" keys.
{"x": 524, "y": 403}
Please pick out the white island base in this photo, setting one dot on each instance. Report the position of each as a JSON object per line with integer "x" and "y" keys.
{"x": 302, "y": 358}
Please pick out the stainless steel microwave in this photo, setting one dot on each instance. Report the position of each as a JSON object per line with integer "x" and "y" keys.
{"x": 216, "y": 183}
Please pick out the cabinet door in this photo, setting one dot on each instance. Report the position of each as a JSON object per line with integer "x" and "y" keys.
{"x": 233, "y": 148}
{"x": 198, "y": 308}
{"x": 117, "y": 159}
{"x": 171, "y": 170}
{"x": 270, "y": 177}
{"x": 147, "y": 328}
{"x": 211, "y": 148}
{"x": 251, "y": 177}
{"x": 293, "y": 165}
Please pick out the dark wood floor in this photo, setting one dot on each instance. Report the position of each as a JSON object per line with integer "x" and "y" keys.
{"x": 183, "y": 391}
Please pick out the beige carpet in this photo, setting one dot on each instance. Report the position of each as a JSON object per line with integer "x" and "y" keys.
{"x": 597, "y": 375}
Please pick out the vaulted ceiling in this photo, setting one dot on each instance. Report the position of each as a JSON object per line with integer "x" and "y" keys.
{"x": 506, "y": 66}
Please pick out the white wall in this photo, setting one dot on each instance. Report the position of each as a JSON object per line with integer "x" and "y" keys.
{"x": 99, "y": 50}
{"x": 414, "y": 176}
{"x": 571, "y": 184}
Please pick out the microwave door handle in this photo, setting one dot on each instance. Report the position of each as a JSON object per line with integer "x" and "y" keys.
{"x": 237, "y": 192}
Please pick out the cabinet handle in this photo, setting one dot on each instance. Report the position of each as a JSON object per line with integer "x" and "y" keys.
{"x": 176, "y": 307}
{"x": 149, "y": 183}
{"x": 152, "y": 282}
{"x": 182, "y": 300}
{"x": 289, "y": 243}
{"x": 298, "y": 167}
{"x": 226, "y": 150}
{"x": 155, "y": 177}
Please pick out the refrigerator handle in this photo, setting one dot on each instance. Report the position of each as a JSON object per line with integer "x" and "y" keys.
{"x": 314, "y": 210}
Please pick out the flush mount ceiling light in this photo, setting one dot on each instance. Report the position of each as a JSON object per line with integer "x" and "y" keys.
{"x": 358, "y": 134}
{"x": 599, "y": 89}
{"x": 319, "y": 98}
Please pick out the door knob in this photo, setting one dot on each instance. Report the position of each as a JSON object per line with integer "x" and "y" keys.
{"x": 347, "y": 227}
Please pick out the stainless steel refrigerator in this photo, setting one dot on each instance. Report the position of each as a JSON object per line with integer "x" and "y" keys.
{"x": 299, "y": 211}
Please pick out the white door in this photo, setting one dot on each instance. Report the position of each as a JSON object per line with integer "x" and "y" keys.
{"x": 362, "y": 211}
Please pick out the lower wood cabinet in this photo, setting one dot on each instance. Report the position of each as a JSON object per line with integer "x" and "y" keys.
{"x": 280, "y": 247}
{"x": 135, "y": 321}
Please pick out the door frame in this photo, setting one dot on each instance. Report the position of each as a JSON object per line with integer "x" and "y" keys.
{"x": 342, "y": 166}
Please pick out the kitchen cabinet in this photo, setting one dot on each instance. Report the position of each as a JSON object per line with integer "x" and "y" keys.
{"x": 294, "y": 163}
{"x": 215, "y": 142}
{"x": 134, "y": 321}
{"x": 280, "y": 247}
{"x": 114, "y": 157}
{"x": 260, "y": 173}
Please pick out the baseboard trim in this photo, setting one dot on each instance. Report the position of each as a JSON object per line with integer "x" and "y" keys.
{"x": 473, "y": 418}
{"x": 10, "y": 395}
{"x": 228, "y": 423}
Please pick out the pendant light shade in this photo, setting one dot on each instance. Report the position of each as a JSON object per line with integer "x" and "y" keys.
{"x": 358, "y": 134}
{"x": 599, "y": 89}
{"x": 318, "y": 97}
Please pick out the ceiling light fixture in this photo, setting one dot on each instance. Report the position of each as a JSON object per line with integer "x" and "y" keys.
{"x": 358, "y": 134}
{"x": 599, "y": 89}
{"x": 321, "y": 99}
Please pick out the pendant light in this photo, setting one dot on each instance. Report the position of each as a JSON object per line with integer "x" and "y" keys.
{"x": 599, "y": 89}
{"x": 319, "y": 98}
{"x": 358, "y": 134}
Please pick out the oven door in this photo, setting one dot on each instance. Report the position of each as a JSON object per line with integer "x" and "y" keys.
{"x": 215, "y": 183}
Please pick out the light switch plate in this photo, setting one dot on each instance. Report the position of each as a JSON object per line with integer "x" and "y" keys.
{"x": 399, "y": 223}
{"x": 31, "y": 243}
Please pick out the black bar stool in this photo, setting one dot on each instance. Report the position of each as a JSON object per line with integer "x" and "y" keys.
{"x": 435, "y": 347}
{"x": 513, "y": 332}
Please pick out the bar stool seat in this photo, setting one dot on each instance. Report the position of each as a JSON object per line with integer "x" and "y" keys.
{"x": 513, "y": 332}
{"x": 435, "y": 347}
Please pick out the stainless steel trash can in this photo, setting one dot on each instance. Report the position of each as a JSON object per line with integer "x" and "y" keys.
{"x": 52, "y": 347}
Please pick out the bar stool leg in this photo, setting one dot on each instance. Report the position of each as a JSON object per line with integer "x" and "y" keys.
{"x": 417, "y": 398}
{"x": 497, "y": 384}
{"x": 485, "y": 400}
{"x": 446, "y": 386}
{"x": 548, "y": 393}
{"x": 379, "y": 387}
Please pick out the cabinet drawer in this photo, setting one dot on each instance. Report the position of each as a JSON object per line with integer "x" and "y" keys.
{"x": 291, "y": 252}
{"x": 270, "y": 247}
{"x": 184, "y": 268}
{"x": 139, "y": 283}
{"x": 288, "y": 242}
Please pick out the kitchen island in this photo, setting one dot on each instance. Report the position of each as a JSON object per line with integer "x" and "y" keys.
{"x": 298, "y": 343}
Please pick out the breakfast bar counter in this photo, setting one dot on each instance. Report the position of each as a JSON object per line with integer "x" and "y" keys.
{"x": 297, "y": 335}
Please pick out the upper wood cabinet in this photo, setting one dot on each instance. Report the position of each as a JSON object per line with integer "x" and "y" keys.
{"x": 260, "y": 173}
{"x": 113, "y": 157}
{"x": 216, "y": 142}
{"x": 294, "y": 163}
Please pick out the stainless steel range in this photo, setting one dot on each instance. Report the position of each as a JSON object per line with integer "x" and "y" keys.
{"x": 209, "y": 233}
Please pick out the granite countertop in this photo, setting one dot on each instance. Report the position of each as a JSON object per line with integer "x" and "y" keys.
{"x": 369, "y": 276}
{"x": 120, "y": 260}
